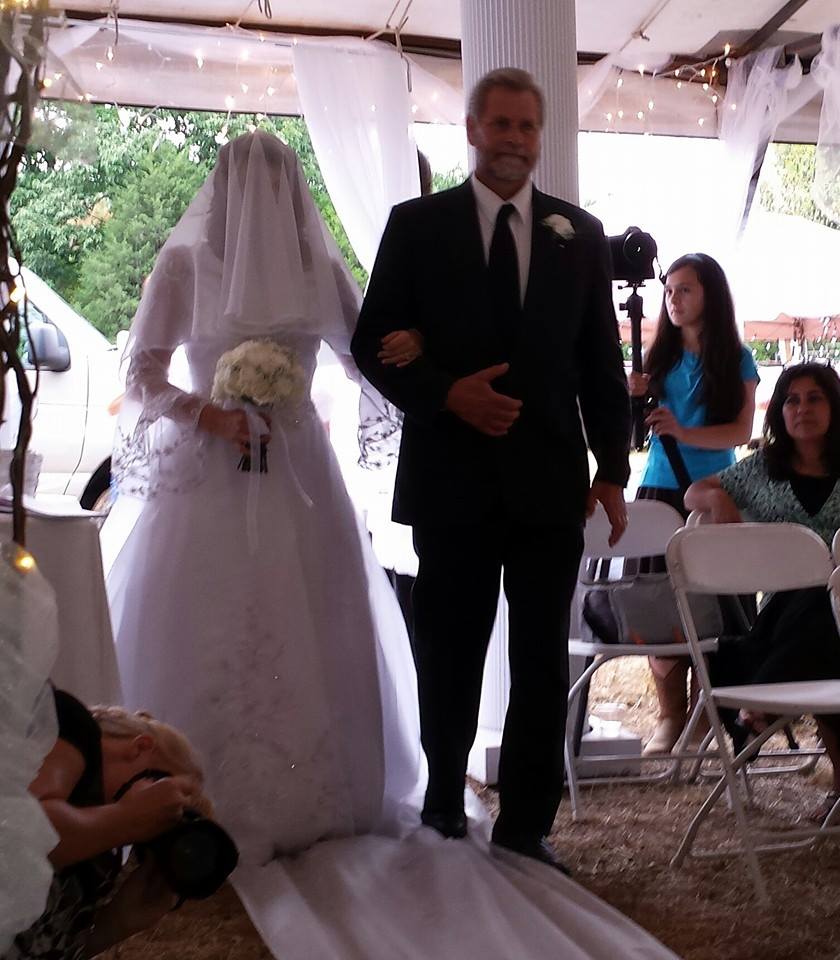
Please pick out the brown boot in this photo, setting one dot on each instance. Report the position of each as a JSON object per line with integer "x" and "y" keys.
{"x": 673, "y": 703}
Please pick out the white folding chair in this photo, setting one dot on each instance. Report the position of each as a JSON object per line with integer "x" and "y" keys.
{"x": 835, "y": 549}
{"x": 650, "y": 525}
{"x": 737, "y": 559}
{"x": 804, "y": 761}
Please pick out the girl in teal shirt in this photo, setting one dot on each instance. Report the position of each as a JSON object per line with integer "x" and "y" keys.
{"x": 703, "y": 379}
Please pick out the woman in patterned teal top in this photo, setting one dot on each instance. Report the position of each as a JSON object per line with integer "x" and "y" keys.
{"x": 703, "y": 379}
{"x": 793, "y": 479}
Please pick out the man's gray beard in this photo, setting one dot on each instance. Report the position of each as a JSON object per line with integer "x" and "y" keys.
{"x": 509, "y": 168}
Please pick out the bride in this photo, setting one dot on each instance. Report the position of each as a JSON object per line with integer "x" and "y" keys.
{"x": 248, "y": 611}
{"x": 240, "y": 600}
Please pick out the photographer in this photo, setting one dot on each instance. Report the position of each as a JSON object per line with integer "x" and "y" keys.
{"x": 94, "y": 901}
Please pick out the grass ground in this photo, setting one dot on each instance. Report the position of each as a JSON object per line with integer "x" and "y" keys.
{"x": 621, "y": 851}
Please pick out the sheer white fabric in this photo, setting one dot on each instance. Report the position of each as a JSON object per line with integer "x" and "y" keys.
{"x": 826, "y": 71}
{"x": 356, "y": 103}
{"x": 267, "y": 660}
{"x": 594, "y": 83}
{"x": 759, "y": 96}
{"x": 416, "y": 896}
{"x": 28, "y": 648}
{"x": 266, "y": 657}
{"x": 249, "y": 258}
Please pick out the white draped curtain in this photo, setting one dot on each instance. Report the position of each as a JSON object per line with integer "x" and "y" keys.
{"x": 759, "y": 96}
{"x": 355, "y": 99}
{"x": 826, "y": 72}
{"x": 356, "y": 103}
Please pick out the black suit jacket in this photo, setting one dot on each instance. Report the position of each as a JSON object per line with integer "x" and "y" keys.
{"x": 431, "y": 274}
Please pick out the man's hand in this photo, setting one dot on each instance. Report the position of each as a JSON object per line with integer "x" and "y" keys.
{"x": 611, "y": 496}
{"x": 474, "y": 401}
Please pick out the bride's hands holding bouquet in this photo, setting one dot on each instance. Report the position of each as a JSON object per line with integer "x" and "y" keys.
{"x": 255, "y": 376}
{"x": 231, "y": 425}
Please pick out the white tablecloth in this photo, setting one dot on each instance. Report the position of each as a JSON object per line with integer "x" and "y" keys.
{"x": 66, "y": 548}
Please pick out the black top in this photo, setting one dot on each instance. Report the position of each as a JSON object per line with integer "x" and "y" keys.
{"x": 80, "y": 889}
{"x": 812, "y": 492}
{"x": 77, "y": 727}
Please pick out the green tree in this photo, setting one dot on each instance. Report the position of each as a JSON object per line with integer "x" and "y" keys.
{"x": 69, "y": 200}
{"x": 82, "y": 157}
{"x": 443, "y": 181}
{"x": 786, "y": 186}
{"x": 149, "y": 203}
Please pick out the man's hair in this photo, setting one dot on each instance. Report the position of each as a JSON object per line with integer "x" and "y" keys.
{"x": 425, "y": 170}
{"x": 173, "y": 749}
{"x": 510, "y": 78}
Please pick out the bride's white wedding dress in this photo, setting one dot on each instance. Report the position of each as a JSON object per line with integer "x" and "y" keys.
{"x": 249, "y": 611}
{"x": 262, "y": 649}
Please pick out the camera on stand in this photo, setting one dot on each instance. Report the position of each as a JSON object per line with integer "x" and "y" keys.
{"x": 632, "y": 254}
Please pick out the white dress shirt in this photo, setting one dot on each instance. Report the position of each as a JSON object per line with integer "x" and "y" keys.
{"x": 489, "y": 204}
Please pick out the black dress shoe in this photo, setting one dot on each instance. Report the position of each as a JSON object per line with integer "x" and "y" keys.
{"x": 536, "y": 849}
{"x": 447, "y": 823}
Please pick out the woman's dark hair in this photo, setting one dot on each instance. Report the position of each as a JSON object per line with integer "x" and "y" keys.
{"x": 720, "y": 345}
{"x": 779, "y": 446}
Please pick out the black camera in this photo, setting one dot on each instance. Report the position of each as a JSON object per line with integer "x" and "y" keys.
{"x": 632, "y": 256}
{"x": 195, "y": 857}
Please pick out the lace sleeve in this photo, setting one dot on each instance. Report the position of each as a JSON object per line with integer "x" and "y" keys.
{"x": 380, "y": 422}
{"x": 349, "y": 302}
{"x": 380, "y": 429}
{"x": 157, "y": 446}
{"x": 147, "y": 382}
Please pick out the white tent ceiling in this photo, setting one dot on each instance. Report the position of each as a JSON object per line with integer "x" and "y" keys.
{"x": 227, "y": 55}
{"x": 686, "y": 27}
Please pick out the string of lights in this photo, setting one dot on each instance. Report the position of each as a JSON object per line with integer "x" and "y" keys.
{"x": 707, "y": 75}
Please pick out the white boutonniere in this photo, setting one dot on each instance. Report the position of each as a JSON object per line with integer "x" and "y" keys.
{"x": 560, "y": 226}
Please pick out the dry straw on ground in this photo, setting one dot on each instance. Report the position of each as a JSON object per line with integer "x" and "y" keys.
{"x": 621, "y": 852}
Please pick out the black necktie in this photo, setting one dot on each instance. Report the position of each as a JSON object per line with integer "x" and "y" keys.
{"x": 503, "y": 272}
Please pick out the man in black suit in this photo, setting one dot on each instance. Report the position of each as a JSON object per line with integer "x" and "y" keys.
{"x": 510, "y": 291}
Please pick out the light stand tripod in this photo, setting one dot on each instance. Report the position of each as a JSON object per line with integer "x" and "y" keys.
{"x": 633, "y": 306}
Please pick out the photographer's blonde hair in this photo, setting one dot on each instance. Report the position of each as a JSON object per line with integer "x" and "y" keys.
{"x": 175, "y": 753}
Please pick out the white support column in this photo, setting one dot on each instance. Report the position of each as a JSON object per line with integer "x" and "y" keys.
{"x": 538, "y": 36}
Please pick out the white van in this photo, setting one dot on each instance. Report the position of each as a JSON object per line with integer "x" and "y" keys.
{"x": 78, "y": 396}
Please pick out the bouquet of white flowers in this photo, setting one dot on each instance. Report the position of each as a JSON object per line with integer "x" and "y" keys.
{"x": 262, "y": 374}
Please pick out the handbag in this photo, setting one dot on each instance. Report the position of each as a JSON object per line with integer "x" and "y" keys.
{"x": 642, "y": 609}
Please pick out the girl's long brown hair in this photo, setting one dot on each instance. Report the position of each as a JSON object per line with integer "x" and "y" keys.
{"x": 720, "y": 345}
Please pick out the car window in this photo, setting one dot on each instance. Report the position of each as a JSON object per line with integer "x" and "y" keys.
{"x": 33, "y": 315}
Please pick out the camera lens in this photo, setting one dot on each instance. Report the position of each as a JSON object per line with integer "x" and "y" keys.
{"x": 193, "y": 857}
{"x": 632, "y": 255}
{"x": 196, "y": 856}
